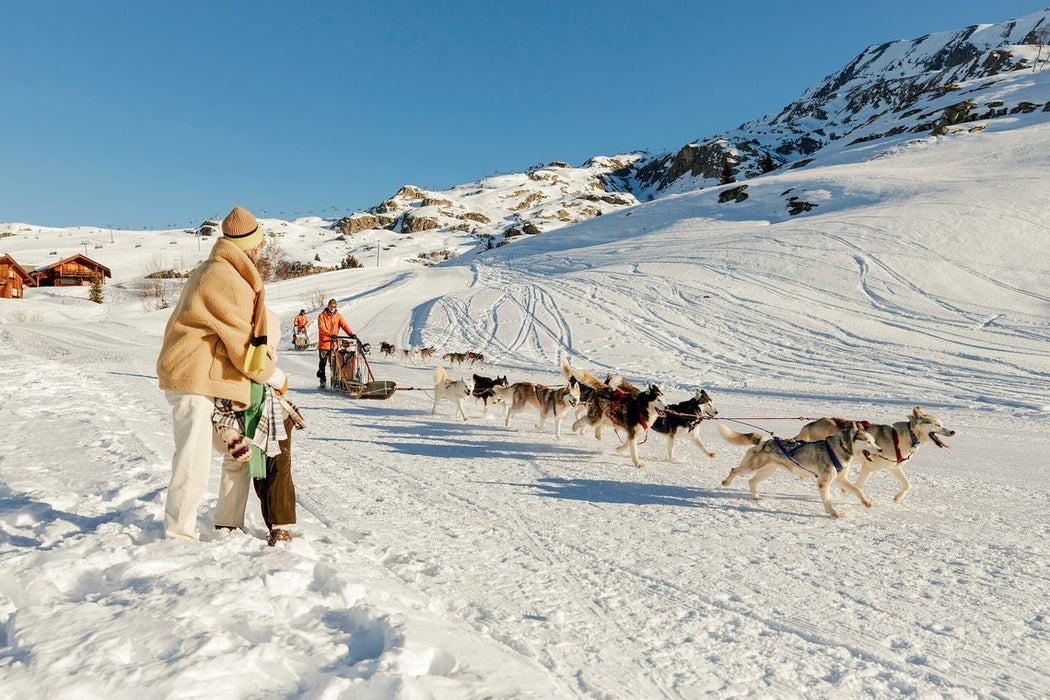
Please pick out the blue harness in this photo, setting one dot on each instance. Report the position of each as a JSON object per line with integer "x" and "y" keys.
{"x": 795, "y": 445}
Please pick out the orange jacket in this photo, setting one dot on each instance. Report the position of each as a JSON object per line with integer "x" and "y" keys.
{"x": 328, "y": 324}
{"x": 300, "y": 322}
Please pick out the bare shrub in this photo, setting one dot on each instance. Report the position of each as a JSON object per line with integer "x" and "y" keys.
{"x": 317, "y": 298}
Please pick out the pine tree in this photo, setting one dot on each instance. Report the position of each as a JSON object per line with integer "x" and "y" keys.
{"x": 728, "y": 174}
{"x": 96, "y": 294}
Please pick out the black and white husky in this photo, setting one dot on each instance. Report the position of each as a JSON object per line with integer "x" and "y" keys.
{"x": 447, "y": 389}
{"x": 484, "y": 389}
{"x": 682, "y": 419}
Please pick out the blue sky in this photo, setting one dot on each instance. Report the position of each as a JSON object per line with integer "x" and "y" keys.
{"x": 161, "y": 114}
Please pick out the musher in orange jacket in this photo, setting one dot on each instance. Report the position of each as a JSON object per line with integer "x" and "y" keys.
{"x": 329, "y": 323}
{"x": 300, "y": 323}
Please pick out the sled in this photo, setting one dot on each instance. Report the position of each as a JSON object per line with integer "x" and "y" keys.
{"x": 301, "y": 341}
{"x": 351, "y": 374}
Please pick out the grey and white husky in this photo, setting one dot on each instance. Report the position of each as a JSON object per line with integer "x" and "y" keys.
{"x": 827, "y": 459}
{"x": 899, "y": 442}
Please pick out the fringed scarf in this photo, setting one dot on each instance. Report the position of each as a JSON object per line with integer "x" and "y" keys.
{"x": 259, "y": 421}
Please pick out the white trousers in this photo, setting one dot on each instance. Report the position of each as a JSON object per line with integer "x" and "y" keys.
{"x": 195, "y": 439}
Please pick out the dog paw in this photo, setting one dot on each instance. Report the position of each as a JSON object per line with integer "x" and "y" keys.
{"x": 711, "y": 455}
{"x": 867, "y": 504}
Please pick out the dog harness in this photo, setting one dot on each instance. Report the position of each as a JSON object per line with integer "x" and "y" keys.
{"x": 897, "y": 446}
{"x": 834, "y": 458}
{"x": 795, "y": 446}
{"x": 660, "y": 425}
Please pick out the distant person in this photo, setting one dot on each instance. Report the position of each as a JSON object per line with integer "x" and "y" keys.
{"x": 300, "y": 323}
{"x": 329, "y": 323}
{"x": 214, "y": 346}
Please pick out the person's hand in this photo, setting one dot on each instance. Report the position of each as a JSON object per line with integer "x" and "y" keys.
{"x": 284, "y": 387}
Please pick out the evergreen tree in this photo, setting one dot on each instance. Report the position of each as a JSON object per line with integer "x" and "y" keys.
{"x": 728, "y": 174}
{"x": 96, "y": 294}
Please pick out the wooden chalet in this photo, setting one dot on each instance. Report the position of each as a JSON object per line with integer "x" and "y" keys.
{"x": 13, "y": 278}
{"x": 76, "y": 270}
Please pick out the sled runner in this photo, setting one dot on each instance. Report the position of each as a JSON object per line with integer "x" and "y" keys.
{"x": 351, "y": 374}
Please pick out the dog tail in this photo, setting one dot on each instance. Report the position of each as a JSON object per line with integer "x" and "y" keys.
{"x": 439, "y": 374}
{"x": 587, "y": 379}
{"x": 736, "y": 438}
{"x": 566, "y": 369}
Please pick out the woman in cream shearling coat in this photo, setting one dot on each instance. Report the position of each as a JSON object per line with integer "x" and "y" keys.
{"x": 214, "y": 346}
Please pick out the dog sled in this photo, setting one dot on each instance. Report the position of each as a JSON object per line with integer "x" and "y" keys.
{"x": 301, "y": 341}
{"x": 350, "y": 372}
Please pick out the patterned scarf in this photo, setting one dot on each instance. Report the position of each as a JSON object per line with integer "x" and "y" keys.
{"x": 268, "y": 430}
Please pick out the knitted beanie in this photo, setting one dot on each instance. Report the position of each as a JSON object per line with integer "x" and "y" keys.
{"x": 241, "y": 228}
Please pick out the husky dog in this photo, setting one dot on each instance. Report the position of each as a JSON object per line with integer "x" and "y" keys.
{"x": 427, "y": 354}
{"x": 484, "y": 389}
{"x": 827, "y": 459}
{"x": 632, "y": 413}
{"x": 410, "y": 355}
{"x": 899, "y": 442}
{"x": 476, "y": 357}
{"x": 387, "y": 349}
{"x": 590, "y": 389}
{"x": 449, "y": 389}
{"x": 557, "y": 402}
{"x": 682, "y": 418}
{"x": 455, "y": 359}
{"x": 632, "y": 410}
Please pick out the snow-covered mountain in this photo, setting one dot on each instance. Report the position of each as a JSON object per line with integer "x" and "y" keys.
{"x": 935, "y": 84}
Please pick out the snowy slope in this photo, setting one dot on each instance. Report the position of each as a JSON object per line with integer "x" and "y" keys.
{"x": 436, "y": 558}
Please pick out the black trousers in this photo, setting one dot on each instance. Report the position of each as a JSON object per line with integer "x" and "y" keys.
{"x": 322, "y": 363}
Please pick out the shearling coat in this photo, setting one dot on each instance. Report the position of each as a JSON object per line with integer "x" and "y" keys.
{"x": 211, "y": 328}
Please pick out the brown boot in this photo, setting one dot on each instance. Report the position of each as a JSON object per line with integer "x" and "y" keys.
{"x": 278, "y": 535}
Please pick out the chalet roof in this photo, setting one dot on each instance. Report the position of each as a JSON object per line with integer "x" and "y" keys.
{"x": 7, "y": 259}
{"x": 78, "y": 256}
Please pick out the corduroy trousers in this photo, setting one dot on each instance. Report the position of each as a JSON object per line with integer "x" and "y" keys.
{"x": 277, "y": 492}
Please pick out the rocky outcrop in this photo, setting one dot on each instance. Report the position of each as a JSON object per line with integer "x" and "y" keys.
{"x": 349, "y": 225}
{"x": 410, "y": 223}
